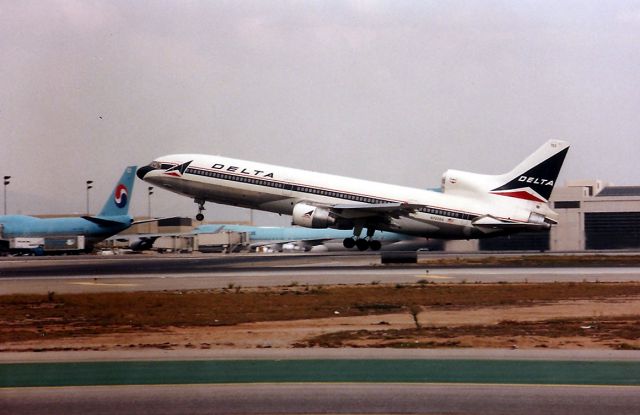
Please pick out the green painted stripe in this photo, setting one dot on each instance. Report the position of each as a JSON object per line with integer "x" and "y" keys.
{"x": 256, "y": 371}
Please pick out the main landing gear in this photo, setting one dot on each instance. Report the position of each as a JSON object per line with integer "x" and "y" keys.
{"x": 200, "y": 216}
{"x": 362, "y": 243}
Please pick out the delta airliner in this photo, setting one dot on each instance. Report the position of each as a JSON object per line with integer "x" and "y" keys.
{"x": 468, "y": 205}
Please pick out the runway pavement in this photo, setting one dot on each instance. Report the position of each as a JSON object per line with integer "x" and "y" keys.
{"x": 148, "y": 273}
{"x": 464, "y": 396}
{"x": 377, "y": 381}
{"x": 352, "y": 398}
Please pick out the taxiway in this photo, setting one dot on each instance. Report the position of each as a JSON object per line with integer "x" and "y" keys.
{"x": 152, "y": 273}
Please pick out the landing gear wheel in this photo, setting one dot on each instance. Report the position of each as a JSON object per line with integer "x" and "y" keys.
{"x": 375, "y": 245}
{"x": 199, "y": 216}
{"x": 349, "y": 243}
{"x": 362, "y": 244}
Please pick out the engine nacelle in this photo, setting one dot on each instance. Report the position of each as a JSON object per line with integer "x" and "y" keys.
{"x": 142, "y": 244}
{"x": 311, "y": 216}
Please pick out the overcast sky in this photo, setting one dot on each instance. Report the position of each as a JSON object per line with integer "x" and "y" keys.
{"x": 393, "y": 91}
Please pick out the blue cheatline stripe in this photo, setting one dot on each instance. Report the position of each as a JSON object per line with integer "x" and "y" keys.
{"x": 252, "y": 371}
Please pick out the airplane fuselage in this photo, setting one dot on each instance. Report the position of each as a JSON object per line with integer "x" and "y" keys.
{"x": 16, "y": 226}
{"x": 280, "y": 189}
{"x": 294, "y": 233}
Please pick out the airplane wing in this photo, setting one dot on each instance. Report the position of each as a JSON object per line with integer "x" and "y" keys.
{"x": 150, "y": 220}
{"x": 365, "y": 210}
{"x": 305, "y": 244}
{"x": 106, "y": 221}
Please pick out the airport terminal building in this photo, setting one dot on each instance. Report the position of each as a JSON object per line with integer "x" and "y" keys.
{"x": 592, "y": 216}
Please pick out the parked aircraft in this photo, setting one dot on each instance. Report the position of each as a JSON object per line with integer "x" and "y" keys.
{"x": 470, "y": 205}
{"x": 277, "y": 238}
{"x": 303, "y": 238}
{"x": 113, "y": 218}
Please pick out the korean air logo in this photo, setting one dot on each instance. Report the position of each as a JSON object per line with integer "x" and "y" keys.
{"x": 121, "y": 195}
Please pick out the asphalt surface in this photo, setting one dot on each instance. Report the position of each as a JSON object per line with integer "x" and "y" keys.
{"x": 352, "y": 398}
{"x": 427, "y": 385}
{"x": 493, "y": 384}
{"x": 323, "y": 398}
{"x": 148, "y": 273}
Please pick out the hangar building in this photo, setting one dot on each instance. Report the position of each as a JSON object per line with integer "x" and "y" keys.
{"x": 593, "y": 215}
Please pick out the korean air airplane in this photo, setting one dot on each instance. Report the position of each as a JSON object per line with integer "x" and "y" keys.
{"x": 113, "y": 218}
{"x": 277, "y": 237}
{"x": 468, "y": 205}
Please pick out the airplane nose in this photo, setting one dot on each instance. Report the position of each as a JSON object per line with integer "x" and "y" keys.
{"x": 142, "y": 171}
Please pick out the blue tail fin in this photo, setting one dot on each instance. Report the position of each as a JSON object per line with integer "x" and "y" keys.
{"x": 120, "y": 198}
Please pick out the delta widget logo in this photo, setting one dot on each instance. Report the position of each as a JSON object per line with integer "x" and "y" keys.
{"x": 121, "y": 195}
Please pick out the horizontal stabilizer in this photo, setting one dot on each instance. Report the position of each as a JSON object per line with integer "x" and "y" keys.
{"x": 489, "y": 224}
{"x": 106, "y": 221}
{"x": 150, "y": 220}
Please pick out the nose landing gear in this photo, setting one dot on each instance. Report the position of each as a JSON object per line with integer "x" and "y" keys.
{"x": 200, "y": 216}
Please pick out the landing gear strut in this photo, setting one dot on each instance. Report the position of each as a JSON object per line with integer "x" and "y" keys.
{"x": 200, "y": 216}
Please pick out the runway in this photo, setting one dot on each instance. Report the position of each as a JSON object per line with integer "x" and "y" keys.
{"x": 150, "y": 273}
{"x": 379, "y": 381}
{"x": 324, "y": 398}
{"x": 509, "y": 392}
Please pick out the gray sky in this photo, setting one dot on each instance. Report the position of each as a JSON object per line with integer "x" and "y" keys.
{"x": 394, "y": 91}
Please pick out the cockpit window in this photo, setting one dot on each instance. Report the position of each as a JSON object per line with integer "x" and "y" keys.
{"x": 154, "y": 164}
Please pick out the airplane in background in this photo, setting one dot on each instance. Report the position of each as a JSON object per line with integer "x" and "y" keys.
{"x": 297, "y": 237}
{"x": 112, "y": 219}
{"x": 279, "y": 238}
{"x": 470, "y": 205}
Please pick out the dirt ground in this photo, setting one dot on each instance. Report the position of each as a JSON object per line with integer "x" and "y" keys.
{"x": 608, "y": 317}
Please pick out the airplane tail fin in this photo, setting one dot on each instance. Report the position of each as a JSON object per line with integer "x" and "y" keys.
{"x": 118, "y": 202}
{"x": 535, "y": 177}
{"x": 531, "y": 180}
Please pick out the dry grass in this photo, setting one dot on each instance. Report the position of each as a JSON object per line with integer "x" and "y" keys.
{"x": 622, "y": 332}
{"x": 27, "y": 317}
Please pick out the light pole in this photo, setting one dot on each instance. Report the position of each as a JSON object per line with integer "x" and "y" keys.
{"x": 6, "y": 183}
{"x": 89, "y": 182}
{"x": 150, "y": 192}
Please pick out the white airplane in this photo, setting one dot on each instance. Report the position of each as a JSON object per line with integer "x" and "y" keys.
{"x": 468, "y": 205}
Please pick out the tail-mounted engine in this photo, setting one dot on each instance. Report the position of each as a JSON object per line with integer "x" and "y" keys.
{"x": 313, "y": 216}
{"x": 464, "y": 182}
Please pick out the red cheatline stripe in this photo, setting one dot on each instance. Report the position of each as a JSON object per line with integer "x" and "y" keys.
{"x": 520, "y": 194}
